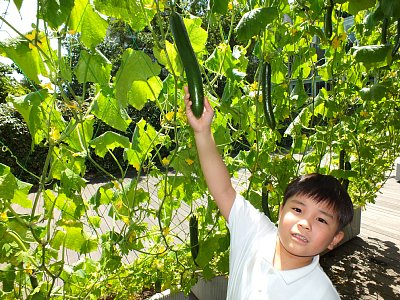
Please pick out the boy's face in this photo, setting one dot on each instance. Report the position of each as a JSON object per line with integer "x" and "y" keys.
{"x": 307, "y": 228}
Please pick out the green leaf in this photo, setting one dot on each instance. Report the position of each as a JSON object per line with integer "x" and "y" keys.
{"x": 55, "y": 13}
{"x": 81, "y": 134}
{"x": 144, "y": 139}
{"x": 93, "y": 68}
{"x": 141, "y": 91}
{"x": 21, "y": 194}
{"x": 197, "y": 35}
{"x": 373, "y": 55}
{"x": 14, "y": 189}
{"x": 40, "y": 114}
{"x": 357, "y": 5}
{"x": 109, "y": 110}
{"x": 27, "y": 59}
{"x": 104, "y": 195}
{"x": 175, "y": 66}
{"x": 298, "y": 93}
{"x": 108, "y": 141}
{"x": 376, "y": 92}
{"x": 129, "y": 11}
{"x": 18, "y": 3}
{"x": 71, "y": 181}
{"x": 94, "y": 28}
{"x": 221, "y": 60}
{"x": 207, "y": 250}
{"x": 135, "y": 66}
{"x": 219, "y": 6}
{"x": 74, "y": 238}
{"x": 7, "y": 277}
{"x": 391, "y": 8}
{"x": 255, "y": 21}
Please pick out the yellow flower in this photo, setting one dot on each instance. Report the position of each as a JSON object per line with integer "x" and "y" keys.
{"x": 169, "y": 116}
{"x": 165, "y": 161}
{"x": 343, "y": 36}
{"x": 28, "y": 269}
{"x": 116, "y": 184}
{"x": 165, "y": 231}
{"x": 3, "y": 217}
{"x": 125, "y": 219}
{"x": 270, "y": 187}
{"x": 54, "y": 134}
{"x": 230, "y": 5}
{"x": 189, "y": 161}
{"x": 136, "y": 165}
{"x": 336, "y": 42}
{"x": 364, "y": 114}
{"x": 131, "y": 236}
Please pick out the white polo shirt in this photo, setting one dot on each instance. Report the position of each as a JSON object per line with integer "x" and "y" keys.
{"x": 251, "y": 272}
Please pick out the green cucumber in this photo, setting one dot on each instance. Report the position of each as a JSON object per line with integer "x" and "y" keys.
{"x": 266, "y": 88}
{"x": 194, "y": 237}
{"x": 190, "y": 63}
{"x": 328, "y": 19}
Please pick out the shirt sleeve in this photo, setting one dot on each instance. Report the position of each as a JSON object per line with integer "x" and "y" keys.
{"x": 246, "y": 222}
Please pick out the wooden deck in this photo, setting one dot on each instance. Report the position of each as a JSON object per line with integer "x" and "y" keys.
{"x": 368, "y": 266}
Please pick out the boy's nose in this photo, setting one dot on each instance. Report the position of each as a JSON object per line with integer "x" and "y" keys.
{"x": 304, "y": 224}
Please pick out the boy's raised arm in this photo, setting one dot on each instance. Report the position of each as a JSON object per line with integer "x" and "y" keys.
{"x": 214, "y": 169}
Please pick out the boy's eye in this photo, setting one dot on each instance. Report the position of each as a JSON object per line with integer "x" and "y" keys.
{"x": 321, "y": 220}
{"x": 298, "y": 210}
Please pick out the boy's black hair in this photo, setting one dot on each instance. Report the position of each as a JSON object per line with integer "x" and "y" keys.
{"x": 323, "y": 188}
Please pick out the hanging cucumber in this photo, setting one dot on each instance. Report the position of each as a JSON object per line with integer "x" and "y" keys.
{"x": 397, "y": 41}
{"x": 347, "y": 167}
{"x": 190, "y": 63}
{"x": 328, "y": 19}
{"x": 264, "y": 199}
{"x": 194, "y": 237}
{"x": 385, "y": 23}
{"x": 265, "y": 80}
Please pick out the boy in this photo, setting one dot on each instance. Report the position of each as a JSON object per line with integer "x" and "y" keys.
{"x": 268, "y": 262}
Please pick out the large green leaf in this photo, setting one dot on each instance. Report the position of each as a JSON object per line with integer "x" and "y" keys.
{"x": 109, "y": 110}
{"x": 13, "y": 189}
{"x": 135, "y": 66}
{"x": 39, "y": 113}
{"x": 109, "y": 141}
{"x": 130, "y": 11}
{"x": 376, "y": 92}
{"x": 141, "y": 91}
{"x": 391, "y": 8}
{"x": 254, "y": 22}
{"x": 81, "y": 134}
{"x": 8, "y": 183}
{"x": 373, "y": 55}
{"x": 173, "y": 64}
{"x": 94, "y": 28}
{"x": 55, "y": 13}
{"x": 357, "y": 5}
{"x": 219, "y": 6}
{"x": 26, "y": 58}
{"x": 144, "y": 139}
{"x": 93, "y": 68}
{"x": 74, "y": 238}
{"x": 197, "y": 35}
{"x": 86, "y": 20}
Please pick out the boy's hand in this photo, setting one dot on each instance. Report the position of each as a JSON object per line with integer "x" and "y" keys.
{"x": 204, "y": 122}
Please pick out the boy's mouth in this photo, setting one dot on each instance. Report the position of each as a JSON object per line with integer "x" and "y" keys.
{"x": 300, "y": 237}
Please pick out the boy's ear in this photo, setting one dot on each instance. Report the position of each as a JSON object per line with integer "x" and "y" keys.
{"x": 336, "y": 240}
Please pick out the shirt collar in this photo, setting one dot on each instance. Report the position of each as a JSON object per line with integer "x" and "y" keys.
{"x": 290, "y": 276}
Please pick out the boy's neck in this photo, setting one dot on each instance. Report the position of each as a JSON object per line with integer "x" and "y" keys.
{"x": 284, "y": 260}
